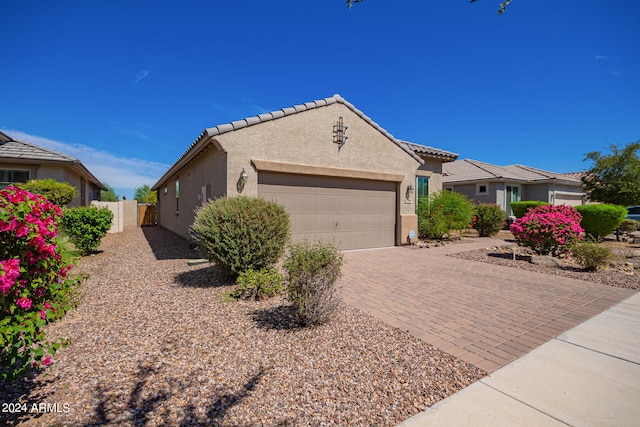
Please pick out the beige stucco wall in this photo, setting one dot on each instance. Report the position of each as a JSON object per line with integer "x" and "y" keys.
{"x": 306, "y": 139}
{"x": 125, "y": 214}
{"x": 209, "y": 170}
{"x": 61, "y": 174}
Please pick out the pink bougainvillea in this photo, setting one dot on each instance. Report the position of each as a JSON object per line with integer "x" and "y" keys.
{"x": 548, "y": 230}
{"x": 33, "y": 279}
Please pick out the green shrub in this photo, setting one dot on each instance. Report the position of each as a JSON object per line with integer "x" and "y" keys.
{"x": 444, "y": 212}
{"x": 311, "y": 272}
{"x": 258, "y": 285}
{"x": 592, "y": 256}
{"x": 489, "y": 219}
{"x": 86, "y": 226}
{"x": 520, "y": 208}
{"x": 629, "y": 225}
{"x": 60, "y": 193}
{"x": 241, "y": 233}
{"x": 599, "y": 221}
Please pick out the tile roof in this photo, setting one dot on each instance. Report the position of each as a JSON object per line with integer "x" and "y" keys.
{"x": 21, "y": 151}
{"x": 575, "y": 174}
{"x": 425, "y": 150}
{"x": 4, "y": 137}
{"x": 25, "y": 151}
{"x": 196, "y": 146}
{"x": 473, "y": 170}
{"x": 467, "y": 170}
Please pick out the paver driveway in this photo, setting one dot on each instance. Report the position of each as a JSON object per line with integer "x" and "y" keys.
{"x": 487, "y": 315}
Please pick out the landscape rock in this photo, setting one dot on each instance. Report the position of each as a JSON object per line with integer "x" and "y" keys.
{"x": 543, "y": 260}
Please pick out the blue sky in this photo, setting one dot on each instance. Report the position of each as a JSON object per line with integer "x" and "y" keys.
{"x": 126, "y": 86}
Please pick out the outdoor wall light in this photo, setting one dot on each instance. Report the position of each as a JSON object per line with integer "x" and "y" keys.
{"x": 410, "y": 190}
{"x": 244, "y": 177}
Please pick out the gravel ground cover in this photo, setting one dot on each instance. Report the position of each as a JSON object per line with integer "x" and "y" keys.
{"x": 625, "y": 273}
{"x": 153, "y": 343}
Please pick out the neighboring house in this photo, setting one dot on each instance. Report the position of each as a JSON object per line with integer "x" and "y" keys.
{"x": 21, "y": 162}
{"x": 486, "y": 183}
{"x": 340, "y": 176}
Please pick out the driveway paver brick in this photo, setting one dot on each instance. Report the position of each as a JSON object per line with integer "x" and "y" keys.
{"x": 485, "y": 314}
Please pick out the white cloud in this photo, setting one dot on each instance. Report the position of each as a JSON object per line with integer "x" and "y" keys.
{"x": 141, "y": 75}
{"x": 123, "y": 173}
{"x": 118, "y": 127}
{"x": 602, "y": 58}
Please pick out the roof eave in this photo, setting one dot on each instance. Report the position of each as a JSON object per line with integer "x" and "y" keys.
{"x": 202, "y": 141}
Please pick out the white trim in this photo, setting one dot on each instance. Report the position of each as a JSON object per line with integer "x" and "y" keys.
{"x": 486, "y": 189}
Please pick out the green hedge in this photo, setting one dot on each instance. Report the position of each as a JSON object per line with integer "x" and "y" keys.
{"x": 444, "y": 212}
{"x": 60, "y": 193}
{"x": 520, "y": 208}
{"x": 86, "y": 226}
{"x": 489, "y": 219}
{"x": 599, "y": 221}
{"x": 242, "y": 233}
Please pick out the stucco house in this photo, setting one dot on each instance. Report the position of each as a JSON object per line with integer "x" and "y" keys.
{"x": 21, "y": 161}
{"x": 340, "y": 176}
{"x": 487, "y": 183}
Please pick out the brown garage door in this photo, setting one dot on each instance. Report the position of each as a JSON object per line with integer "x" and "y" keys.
{"x": 353, "y": 213}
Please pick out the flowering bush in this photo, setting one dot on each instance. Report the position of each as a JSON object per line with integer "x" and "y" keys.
{"x": 548, "y": 229}
{"x": 34, "y": 287}
{"x": 489, "y": 219}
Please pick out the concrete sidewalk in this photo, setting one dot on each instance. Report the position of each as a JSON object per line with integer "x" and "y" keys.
{"x": 587, "y": 376}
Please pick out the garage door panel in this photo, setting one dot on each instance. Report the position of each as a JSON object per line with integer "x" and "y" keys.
{"x": 352, "y": 213}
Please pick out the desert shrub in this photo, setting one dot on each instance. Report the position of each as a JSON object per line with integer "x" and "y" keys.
{"x": 311, "y": 272}
{"x": 59, "y": 193}
{"x": 548, "y": 229}
{"x": 86, "y": 226}
{"x": 258, "y": 285}
{"x": 489, "y": 219}
{"x": 241, "y": 233}
{"x": 35, "y": 287}
{"x": 599, "y": 221}
{"x": 520, "y": 208}
{"x": 444, "y": 212}
{"x": 629, "y": 226}
{"x": 592, "y": 256}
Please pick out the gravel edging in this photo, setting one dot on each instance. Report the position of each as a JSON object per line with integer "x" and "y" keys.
{"x": 628, "y": 277}
{"x": 152, "y": 343}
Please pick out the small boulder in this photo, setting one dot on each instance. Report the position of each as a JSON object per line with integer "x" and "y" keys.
{"x": 543, "y": 260}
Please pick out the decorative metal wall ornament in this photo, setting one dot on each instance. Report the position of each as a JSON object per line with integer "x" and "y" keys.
{"x": 339, "y": 133}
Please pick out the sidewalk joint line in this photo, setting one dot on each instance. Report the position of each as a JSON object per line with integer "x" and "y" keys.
{"x": 524, "y": 403}
{"x": 597, "y": 351}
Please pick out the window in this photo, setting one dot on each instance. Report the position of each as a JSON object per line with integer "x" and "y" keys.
{"x": 422, "y": 190}
{"x": 177, "y": 195}
{"x": 10, "y": 176}
{"x": 482, "y": 189}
